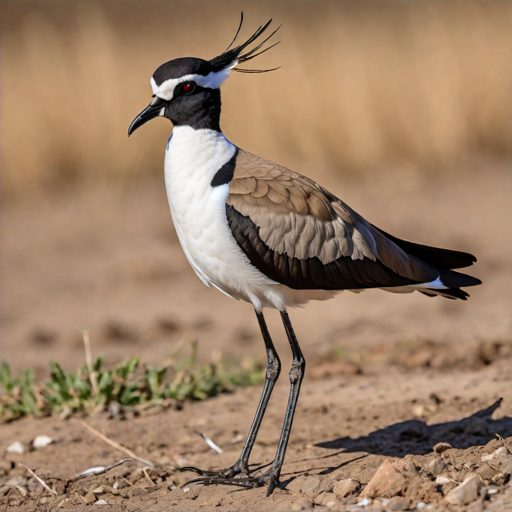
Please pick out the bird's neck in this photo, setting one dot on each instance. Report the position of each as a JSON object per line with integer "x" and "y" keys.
{"x": 204, "y": 115}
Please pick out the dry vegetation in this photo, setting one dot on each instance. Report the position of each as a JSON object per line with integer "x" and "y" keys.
{"x": 377, "y": 83}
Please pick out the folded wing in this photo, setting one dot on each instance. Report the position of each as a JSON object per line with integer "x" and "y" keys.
{"x": 302, "y": 236}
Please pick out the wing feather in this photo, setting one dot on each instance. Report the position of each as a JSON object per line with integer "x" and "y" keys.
{"x": 303, "y": 236}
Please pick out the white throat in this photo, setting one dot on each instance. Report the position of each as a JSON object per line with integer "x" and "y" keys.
{"x": 194, "y": 156}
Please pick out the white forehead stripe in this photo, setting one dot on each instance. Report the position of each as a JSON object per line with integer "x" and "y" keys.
{"x": 212, "y": 80}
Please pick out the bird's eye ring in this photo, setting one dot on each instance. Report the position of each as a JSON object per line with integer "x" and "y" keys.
{"x": 188, "y": 87}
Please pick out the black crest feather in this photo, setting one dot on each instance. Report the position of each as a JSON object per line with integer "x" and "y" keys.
{"x": 237, "y": 55}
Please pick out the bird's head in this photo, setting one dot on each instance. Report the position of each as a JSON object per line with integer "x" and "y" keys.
{"x": 187, "y": 90}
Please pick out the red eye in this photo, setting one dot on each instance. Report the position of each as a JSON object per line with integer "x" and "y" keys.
{"x": 188, "y": 87}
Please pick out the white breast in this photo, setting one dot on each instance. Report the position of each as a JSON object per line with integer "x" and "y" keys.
{"x": 199, "y": 213}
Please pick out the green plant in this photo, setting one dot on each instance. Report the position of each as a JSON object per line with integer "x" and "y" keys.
{"x": 129, "y": 383}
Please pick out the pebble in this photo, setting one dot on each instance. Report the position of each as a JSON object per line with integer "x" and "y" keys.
{"x": 100, "y": 502}
{"x": 492, "y": 490}
{"x": 442, "y": 447}
{"x": 192, "y": 492}
{"x": 22, "y": 490}
{"x": 442, "y": 480}
{"x": 311, "y": 485}
{"x": 389, "y": 480}
{"x": 15, "y": 447}
{"x": 41, "y": 441}
{"x": 346, "y": 487}
{"x": 89, "y": 498}
{"x": 327, "y": 499}
{"x": 436, "y": 466}
{"x": 466, "y": 492}
{"x": 486, "y": 472}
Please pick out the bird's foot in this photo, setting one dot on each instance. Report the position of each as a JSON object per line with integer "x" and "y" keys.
{"x": 270, "y": 478}
{"x": 239, "y": 468}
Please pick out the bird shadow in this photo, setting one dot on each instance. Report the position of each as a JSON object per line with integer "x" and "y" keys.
{"x": 416, "y": 437}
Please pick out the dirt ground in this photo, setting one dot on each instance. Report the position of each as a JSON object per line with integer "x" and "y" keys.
{"x": 389, "y": 377}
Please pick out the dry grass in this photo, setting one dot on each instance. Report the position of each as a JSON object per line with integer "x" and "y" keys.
{"x": 362, "y": 85}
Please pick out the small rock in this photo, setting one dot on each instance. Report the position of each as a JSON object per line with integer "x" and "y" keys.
{"x": 115, "y": 410}
{"x": 327, "y": 499}
{"x": 295, "y": 485}
{"x": 390, "y": 479}
{"x": 192, "y": 492}
{"x": 442, "y": 447}
{"x": 465, "y": 493}
{"x": 364, "y": 502}
{"x": 44, "y": 500}
{"x": 22, "y": 490}
{"x": 346, "y": 487}
{"x": 436, "y": 466}
{"x": 492, "y": 489}
{"x": 442, "y": 480}
{"x": 100, "y": 502}
{"x": 15, "y": 447}
{"x": 89, "y": 498}
{"x": 311, "y": 485}
{"x": 485, "y": 472}
{"x": 421, "y": 505}
{"x": 418, "y": 411}
{"x": 98, "y": 490}
{"x": 41, "y": 441}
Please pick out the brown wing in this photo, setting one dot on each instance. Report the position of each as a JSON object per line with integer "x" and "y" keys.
{"x": 300, "y": 235}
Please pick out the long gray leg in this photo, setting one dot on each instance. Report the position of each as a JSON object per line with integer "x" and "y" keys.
{"x": 271, "y": 376}
{"x": 271, "y": 477}
{"x": 296, "y": 376}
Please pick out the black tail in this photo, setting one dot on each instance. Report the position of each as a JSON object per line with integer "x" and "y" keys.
{"x": 444, "y": 260}
{"x": 437, "y": 257}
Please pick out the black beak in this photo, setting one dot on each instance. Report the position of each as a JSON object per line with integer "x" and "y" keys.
{"x": 151, "y": 111}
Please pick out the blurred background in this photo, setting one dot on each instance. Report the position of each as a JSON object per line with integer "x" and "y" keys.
{"x": 403, "y": 109}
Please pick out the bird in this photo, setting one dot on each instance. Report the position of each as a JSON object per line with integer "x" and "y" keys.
{"x": 264, "y": 234}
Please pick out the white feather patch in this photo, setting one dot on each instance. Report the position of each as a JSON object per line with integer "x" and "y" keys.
{"x": 212, "y": 80}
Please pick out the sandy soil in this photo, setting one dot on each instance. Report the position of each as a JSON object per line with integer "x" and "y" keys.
{"x": 413, "y": 371}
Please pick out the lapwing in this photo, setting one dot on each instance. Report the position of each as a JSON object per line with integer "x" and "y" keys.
{"x": 270, "y": 236}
